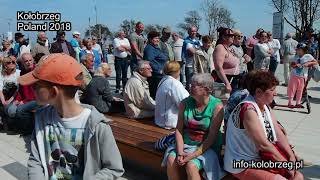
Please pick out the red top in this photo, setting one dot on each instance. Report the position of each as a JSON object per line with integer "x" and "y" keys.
{"x": 25, "y": 93}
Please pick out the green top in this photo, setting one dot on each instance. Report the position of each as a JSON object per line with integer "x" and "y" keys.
{"x": 197, "y": 124}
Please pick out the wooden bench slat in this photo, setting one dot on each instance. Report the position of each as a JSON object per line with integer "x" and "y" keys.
{"x": 137, "y": 123}
{"x": 141, "y": 131}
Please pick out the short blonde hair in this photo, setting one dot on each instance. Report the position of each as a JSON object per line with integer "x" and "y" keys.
{"x": 100, "y": 71}
{"x": 171, "y": 67}
{"x": 4, "y": 61}
{"x": 237, "y": 32}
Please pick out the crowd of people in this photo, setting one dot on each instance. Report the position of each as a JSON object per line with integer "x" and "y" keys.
{"x": 214, "y": 94}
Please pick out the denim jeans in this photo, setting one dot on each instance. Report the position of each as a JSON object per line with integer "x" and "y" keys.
{"x": 22, "y": 115}
{"x": 121, "y": 67}
{"x": 189, "y": 74}
{"x": 273, "y": 66}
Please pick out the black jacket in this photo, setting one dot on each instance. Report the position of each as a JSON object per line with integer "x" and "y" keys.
{"x": 57, "y": 48}
{"x": 98, "y": 94}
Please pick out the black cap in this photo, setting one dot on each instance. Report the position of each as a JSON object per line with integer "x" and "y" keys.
{"x": 18, "y": 35}
{"x": 60, "y": 33}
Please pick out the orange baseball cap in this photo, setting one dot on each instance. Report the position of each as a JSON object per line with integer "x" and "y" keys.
{"x": 56, "y": 68}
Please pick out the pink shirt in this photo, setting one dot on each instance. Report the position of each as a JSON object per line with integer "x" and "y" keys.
{"x": 231, "y": 64}
{"x": 251, "y": 42}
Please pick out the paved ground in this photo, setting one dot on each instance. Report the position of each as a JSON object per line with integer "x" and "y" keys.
{"x": 303, "y": 130}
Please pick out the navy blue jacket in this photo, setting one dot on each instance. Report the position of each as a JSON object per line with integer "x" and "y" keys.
{"x": 156, "y": 58}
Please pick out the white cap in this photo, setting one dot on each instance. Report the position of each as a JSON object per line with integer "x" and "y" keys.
{"x": 75, "y": 33}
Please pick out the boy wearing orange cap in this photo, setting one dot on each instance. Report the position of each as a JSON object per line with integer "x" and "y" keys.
{"x": 70, "y": 141}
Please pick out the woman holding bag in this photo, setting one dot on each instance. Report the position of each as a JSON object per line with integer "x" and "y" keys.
{"x": 253, "y": 134}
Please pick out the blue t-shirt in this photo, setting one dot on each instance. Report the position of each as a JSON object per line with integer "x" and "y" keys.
{"x": 302, "y": 71}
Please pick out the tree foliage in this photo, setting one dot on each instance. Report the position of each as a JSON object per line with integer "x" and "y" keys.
{"x": 95, "y": 31}
{"x": 300, "y": 14}
{"x": 216, "y": 15}
{"x": 128, "y": 26}
{"x": 192, "y": 19}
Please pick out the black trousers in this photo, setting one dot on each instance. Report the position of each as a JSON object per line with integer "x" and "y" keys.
{"x": 121, "y": 67}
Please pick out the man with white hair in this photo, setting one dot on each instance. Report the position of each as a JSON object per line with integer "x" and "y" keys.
{"x": 289, "y": 51}
{"x": 122, "y": 51}
{"x": 137, "y": 100}
{"x": 41, "y": 46}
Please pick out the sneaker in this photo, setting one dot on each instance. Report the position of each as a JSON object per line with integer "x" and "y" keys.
{"x": 299, "y": 106}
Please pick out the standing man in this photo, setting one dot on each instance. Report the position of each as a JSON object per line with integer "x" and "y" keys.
{"x": 275, "y": 57}
{"x": 164, "y": 45}
{"x": 62, "y": 45}
{"x": 40, "y": 46}
{"x": 121, "y": 53}
{"x": 177, "y": 51}
{"x": 190, "y": 45}
{"x": 75, "y": 44}
{"x": 22, "y": 45}
{"x": 137, "y": 45}
{"x": 289, "y": 51}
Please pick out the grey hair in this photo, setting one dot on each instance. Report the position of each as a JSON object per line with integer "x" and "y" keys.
{"x": 100, "y": 71}
{"x": 203, "y": 79}
{"x": 141, "y": 64}
{"x": 118, "y": 33}
{"x": 85, "y": 56}
{"x": 190, "y": 28}
{"x": 290, "y": 35}
{"x": 40, "y": 32}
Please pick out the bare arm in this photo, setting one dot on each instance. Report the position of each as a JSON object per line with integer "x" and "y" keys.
{"x": 252, "y": 125}
{"x": 282, "y": 139}
{"x": 219, "y": 56}
{"x": 179, "y": 130}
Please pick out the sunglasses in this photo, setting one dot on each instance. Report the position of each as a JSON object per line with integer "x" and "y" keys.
{"x": 10, "y": 62}
{"x": 230, "y": 35}
{"x": 239, "y": 36}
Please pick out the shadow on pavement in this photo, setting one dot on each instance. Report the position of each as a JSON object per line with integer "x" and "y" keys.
{"x": 312, "y": 172}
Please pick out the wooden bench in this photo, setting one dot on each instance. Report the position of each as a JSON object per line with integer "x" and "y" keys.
{"x": 136, "y": 138}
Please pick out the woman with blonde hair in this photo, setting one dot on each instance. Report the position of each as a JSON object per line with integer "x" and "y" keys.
{"x": 98, "y": 92}
{"x": 8, "y": 80}
{"x": 8, "y": 83}
{"x": 169, "y": 94}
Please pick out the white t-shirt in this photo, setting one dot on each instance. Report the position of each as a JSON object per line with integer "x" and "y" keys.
{"x": 169, "y": 95}
{"x": 117, "y": 42}
{"x": 65, "y": 138}
{"x": 302, "y": 71}
{"x": 98, "y": 48}
{"x": 275, "y": 45}
{"x": 12, "y": 78}
{"x": 177, "y": 49}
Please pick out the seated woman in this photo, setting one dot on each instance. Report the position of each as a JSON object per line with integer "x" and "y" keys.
{"x": 198, "y": 139}
{"x": 98, "y": 92}
{"x": 169, "y": 95}
{"x": 8, "y": 82}
{"x": 253, "y": 134}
